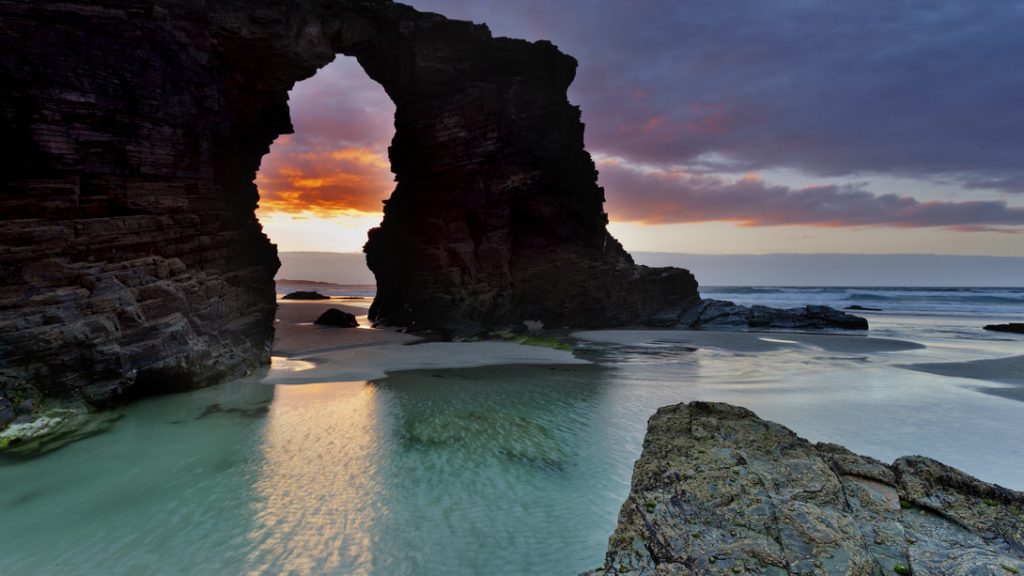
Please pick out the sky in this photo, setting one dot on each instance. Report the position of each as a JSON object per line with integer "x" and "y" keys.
{"x": 723, "y": 127}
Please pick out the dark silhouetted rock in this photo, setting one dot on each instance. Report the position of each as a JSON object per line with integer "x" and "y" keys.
{"x": 722, "y": 314}
{"x": 305, "y": 295}
{"x": 864, "y": 308}
{"x": 131, "y": 132}
{"x": 1014, "y": 327}
{"x": 718, "y": 491}
{"x": 335, "y": 317}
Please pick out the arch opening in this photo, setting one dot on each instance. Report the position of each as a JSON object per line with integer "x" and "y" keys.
{"x": 322, "y": 187}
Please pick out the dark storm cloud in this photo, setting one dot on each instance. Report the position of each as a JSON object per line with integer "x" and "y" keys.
{"x": 919, "y": 88}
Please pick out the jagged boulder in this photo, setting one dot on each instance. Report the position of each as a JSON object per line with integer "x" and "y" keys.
{"x": 723, "y": 314}
{"x": 718, "y": 490}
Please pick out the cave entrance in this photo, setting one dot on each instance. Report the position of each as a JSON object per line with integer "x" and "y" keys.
{"x": 322, "y": 187}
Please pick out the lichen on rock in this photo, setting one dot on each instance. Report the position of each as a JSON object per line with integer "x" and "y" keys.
{"x": 52, "y": 428}
{"x": 717, "y": 490}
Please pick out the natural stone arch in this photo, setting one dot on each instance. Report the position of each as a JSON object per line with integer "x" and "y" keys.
{"x": 132, "y": 259}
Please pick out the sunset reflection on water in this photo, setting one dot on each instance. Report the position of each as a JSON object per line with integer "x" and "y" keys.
{"x": 317, "y": 492}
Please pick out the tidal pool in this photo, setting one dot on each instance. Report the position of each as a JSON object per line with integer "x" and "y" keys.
{"x": 498, "y": 470}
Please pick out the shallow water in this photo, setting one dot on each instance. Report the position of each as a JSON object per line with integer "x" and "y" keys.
{"x": 510, "y": 470}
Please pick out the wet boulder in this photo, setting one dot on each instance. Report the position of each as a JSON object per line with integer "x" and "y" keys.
{"x": 723, "y": 314}
{"x": 338, "y": 318}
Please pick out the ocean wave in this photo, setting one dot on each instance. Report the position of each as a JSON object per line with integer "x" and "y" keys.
{"x": 957, "y": 301}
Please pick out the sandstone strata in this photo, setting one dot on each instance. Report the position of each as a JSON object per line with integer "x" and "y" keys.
{"x": 717, "y": 490}
{"x": 131, "y": 131}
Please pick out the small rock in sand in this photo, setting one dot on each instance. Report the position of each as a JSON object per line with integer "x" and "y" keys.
{"x": 339, "y": 318}
{"x": 305, "y": 295}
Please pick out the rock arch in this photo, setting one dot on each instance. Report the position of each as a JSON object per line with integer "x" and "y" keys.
{"x": 131, "y": 135}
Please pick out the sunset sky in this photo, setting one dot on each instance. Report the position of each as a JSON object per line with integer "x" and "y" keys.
{"x": 726, "y": 127}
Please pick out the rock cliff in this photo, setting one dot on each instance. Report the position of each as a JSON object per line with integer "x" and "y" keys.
{"x": 131, "y": 132}
{"x": 717, "y": 490}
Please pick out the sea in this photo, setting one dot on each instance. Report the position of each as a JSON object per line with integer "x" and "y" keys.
{"x": 512, "y": 470}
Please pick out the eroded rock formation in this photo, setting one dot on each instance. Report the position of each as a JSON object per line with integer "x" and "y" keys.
{"x": 723, "y": 314}
{"x": 717, "y": 490}
{"x": 131, "y": 132}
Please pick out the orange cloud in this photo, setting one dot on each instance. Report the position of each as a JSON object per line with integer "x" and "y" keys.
{"x": 342, "y": 180}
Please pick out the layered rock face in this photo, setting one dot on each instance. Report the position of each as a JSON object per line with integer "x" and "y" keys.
{"x": 129, "y": 252}
{"x": 717, "y": 490}
{"x": 131, "y": 132}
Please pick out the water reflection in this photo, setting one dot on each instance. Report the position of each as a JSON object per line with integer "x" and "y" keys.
{"x": 283, "y": 364}
{"x": 317, "y": 491}
{"x": 453, "y": 468}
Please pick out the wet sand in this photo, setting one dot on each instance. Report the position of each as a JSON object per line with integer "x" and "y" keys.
{"x": 330, "y": 354}
{"x": 1003, "y": 370}
{"x": 751, "y": 341}
{"x": 307, "y": 353}
{"x": 295, "y": 334}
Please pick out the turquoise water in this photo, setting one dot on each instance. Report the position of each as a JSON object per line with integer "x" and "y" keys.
{"x": 501, "y": 470}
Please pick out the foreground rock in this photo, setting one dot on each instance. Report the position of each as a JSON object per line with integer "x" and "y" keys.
{"x": 335, "y": 317}
{"x": 1014, "y": 327}
{"x": 717, "y": 490}
{"x": 305, "y": 295}
{"x": 723, "y": 314}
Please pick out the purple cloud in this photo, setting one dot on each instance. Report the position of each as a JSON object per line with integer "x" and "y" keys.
{"x": 919, "y": 89}
{"x": 663, "y": 197}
